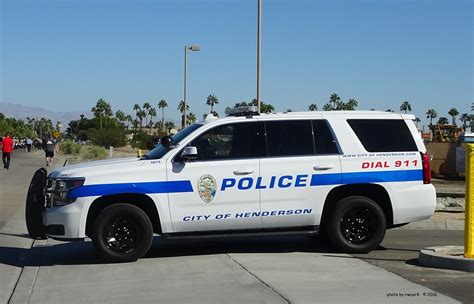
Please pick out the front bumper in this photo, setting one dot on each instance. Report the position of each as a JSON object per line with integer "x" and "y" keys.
{"x": 71, "y": 217}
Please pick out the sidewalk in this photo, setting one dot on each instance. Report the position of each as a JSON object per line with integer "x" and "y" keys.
{"x": 439, "y": 221}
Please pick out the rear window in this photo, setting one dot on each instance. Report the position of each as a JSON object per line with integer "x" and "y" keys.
{"x": 381, "y": 135}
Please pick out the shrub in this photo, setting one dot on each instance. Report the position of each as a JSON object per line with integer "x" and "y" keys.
{"x": 142, "y": 140}
{"x": 70, "y": 147}
{"x": 107, "y": 137}
{"x": 96, "y": 152}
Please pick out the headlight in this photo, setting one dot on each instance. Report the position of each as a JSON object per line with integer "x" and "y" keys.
{"x": 60, "y": 190}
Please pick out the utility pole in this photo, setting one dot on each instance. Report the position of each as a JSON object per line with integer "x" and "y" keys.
{"x": 259, "y": 53}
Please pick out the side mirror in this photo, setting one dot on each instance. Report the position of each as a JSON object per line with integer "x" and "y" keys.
{"x": 189, "y": 153}
{"x": 167, "y": 141}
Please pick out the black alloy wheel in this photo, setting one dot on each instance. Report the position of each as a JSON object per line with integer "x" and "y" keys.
{"x": 122, "y": 233}
{"x": 357, "y": 225}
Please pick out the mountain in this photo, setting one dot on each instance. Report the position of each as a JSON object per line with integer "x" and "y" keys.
{"x": 22, "y": 112}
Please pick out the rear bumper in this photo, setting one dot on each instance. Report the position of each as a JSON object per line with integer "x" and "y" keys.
{"x": 413, "y": 202}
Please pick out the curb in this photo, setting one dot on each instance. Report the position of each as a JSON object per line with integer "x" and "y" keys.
{"x": 445, "y": 257}
{"x": 431, "y": 224}
{"x": 453, "y": 194}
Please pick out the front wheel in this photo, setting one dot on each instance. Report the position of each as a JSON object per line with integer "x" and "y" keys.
{"x": 122, "y": 233}
{"x": 357, "y": 225}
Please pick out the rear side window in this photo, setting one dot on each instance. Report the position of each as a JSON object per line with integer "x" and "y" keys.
{"x": 323, "y": 139}
{"x": 289, "y": 138}
{"x": 381, "y": 135}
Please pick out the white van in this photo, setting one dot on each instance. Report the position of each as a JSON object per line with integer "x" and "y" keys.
{"x": 349, "y": 175}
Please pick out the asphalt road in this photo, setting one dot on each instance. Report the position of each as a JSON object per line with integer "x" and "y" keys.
{"x": 399, "y": 252}
{"x": 288, "y": 269}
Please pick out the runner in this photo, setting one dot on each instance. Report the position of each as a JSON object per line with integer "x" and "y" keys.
{"x": 49, "y": 149}
{"x": 7, "y": 149}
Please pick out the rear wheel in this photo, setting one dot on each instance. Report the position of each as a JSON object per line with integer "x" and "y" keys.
{"x": 122, "y": 233}
{"x": 357, "y": 225}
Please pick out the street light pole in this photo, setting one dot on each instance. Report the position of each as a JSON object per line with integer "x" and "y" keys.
{"x": 185, "y": 82}
{"x": 194, "y": 48}
{"x": 259, "y": 41}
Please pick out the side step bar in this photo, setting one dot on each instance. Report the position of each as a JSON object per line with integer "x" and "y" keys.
{"x": 306, "y": 230}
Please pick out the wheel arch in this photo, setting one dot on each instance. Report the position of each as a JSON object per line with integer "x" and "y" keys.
{"x": 142, "y": 201}
{"x": 375, "y": 192}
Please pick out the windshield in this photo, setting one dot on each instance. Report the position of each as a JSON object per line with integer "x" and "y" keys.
{"x": 159, "y": 151}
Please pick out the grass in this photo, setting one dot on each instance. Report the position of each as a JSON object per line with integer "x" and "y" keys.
{"x": 95, "y": 152}
{"x": 76, "y": 153}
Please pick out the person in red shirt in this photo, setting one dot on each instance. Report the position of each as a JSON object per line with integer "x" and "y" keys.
{"x": 7, "y": 149}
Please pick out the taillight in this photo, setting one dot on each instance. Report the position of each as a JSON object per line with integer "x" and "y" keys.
{"x": 425, "y": 160}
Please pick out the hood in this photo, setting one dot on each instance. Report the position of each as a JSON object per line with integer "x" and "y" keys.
{"x": 82, "y": 169}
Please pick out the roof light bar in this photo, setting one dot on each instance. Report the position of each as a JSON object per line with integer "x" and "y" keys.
{"x": 242, "y": 111}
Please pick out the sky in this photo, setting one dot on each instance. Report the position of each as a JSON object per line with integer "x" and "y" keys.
{"x": 64, "y": 55}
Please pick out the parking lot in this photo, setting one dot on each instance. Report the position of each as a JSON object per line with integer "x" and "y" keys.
{"x": 286, "y": 269}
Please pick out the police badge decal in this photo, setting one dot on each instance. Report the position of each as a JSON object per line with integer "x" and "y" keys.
{"x": 207, "y": 186}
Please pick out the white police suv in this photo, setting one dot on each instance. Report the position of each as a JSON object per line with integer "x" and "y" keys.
{"x": 347, "y": 175}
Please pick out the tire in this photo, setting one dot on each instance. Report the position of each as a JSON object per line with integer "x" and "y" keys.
{"x": 357, "y": 225}
{"x": 122, "y": 233}
{"x": 35, "y": 205}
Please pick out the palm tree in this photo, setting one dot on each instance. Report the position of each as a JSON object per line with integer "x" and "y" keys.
{"x": 135, "y": 123}
{"x": 121, "y": 117}
{"x": 212, "y": 101}
{"x": 146, "y": 109}
{"x": 243, "y": 104}
{"x": 351, "y": 104}
{"x": 406, "y": 107}
{"x": 264, "y": 107}
{"x": 312, "y": 107}
{"x": 102, "y": 110}
{"x": 162, "y": 105}
{"x": 152, "y": 113}
{"x": 443, "y": 121}
{"x": 190, "y": 118}
{"x": 181, "y": 110}
{"x": 327, "y": 107}
{"x": 168, "y": 126}
{"x": 129, "y": 119}
{"x": 335, "y": 100}
{"x": 137, "y": 109}
{"x": 464, "y": 119}
{"x": 417, "y": 120}
{"x": 146, "y": 105}
{"x": 431, "y": 114}
{"x": 141, "y": 114}
{"x": 453, "y": 112}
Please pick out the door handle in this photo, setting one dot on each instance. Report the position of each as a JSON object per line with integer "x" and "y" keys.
{"x": 243, "y": 172}
{"x": 323, "y": 168}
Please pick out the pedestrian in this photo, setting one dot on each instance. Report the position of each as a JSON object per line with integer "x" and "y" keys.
{"x": 29, "y": 143}
{"x": 49, "y": 149}
{"x": 7, "y": 149}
